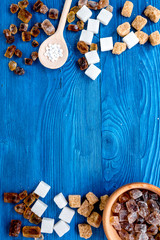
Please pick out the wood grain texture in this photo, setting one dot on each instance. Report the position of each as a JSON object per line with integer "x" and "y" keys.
{"x": 76, "y": 134}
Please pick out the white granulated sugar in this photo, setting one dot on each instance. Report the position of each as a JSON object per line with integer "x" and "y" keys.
{"x": 104, "y": 16}
{"x": 84, "y": 13}
{"x": 131, "y": 40}
{"x": 93, "y": 25}
{"x": 92, "y": 57}
{"x": 93, "y": 72}
{"x": 106, "y": 44}
{"x": 42, "y": 189}
{"x": 61, "y": 228}
{"x": 53, "y": 52}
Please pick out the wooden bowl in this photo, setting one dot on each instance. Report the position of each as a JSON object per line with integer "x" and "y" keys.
{"x": 110, "y": 232}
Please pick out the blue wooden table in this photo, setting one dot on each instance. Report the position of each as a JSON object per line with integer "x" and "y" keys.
{"x": 76, "y": 134}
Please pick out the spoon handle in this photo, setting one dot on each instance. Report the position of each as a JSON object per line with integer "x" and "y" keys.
{"x": 64, "y": 14}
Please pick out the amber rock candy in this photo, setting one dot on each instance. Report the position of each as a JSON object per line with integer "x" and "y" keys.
{"x": 43, "y": 9}
{"x": 124, "y": 235}
{"x": 132, "y": 206}
{"x": 19, "y": 71}
{"x": 157, "y": 236}
{"x": 14, "y": 8}
{"x": 92, "y": 5}
{"x": 34, "y": 56}
{"x": 123, "y": 198}
{"x": 141, "y": 228}
{"x": 12, "y": 65}
{"x": 23, "y": 194}
{"x": 142, "y": 236}
{"x": 81, "y": 3}
{"x": 85, "y": 230}
{"x": 83, "y": 64}
{"x": 13, "y": 29}
{"x": 119, "y": 48}
{"x": 103, "y": 4}
{"x": 152, "y": 205}
{"x": 35, "y": 43}
{"x": 30, "y": 199}
{"x": 109, "y": 8}
{"x": 153, "y": 196}
{"x": 11, "y": 197}
{"x": 73, "y": 28}
{"x": 152, "y": 230}
{"x": 154, "y": 38}
{"x": 26, "y": 36}
{"x": 153, "y": 218}
{"x": 142, "y": 204}
{"x": 71, "y": 17}
{"x": 116, "y": 207}
{"x": 18, "y": 53}
{"x": 15, "y": 228}
{"x": 6, "y": 33}
{"x": 35, "y": 31}
{"x": 114, "y": 221}
{"x": 132, "y": 217}
{"x": 143, "y": 212}
{"x": 53, "y": 13}
{"x": 140, "y": 220}
{"x": 23, "y": 4}
{"x": 93, "y": 47}
{"x": 103, "y": 201}
{"x": 127, "y": 226}
{"x": 27, "y": 213}
{"x": 74, "y": 201}
{"x": 24, "y": 15}
{"x": 38, "y": 25}
{"x": 153, "y": 13}
{"x": 28, "y": 61}
{"x": 123, "y": 215}
{"x": 35, "y": 219}
{"x": 75, "y": 9}
{"x": 48, "y": 27}
{"x": 80, "y": 25}
{"x": 31, "y": 232}
{"x": 135, "y": 193}
{"x": 94, "y": 219}
{"x": 85, "y": 209}
{"x": 127, "y": 9}
{"x": 20, "y": 208}
{"x": 142, "y": 36}
{"x": 37, "y": 6}
{"x": 10, "y": 39}
{"x": 23, "y": 27}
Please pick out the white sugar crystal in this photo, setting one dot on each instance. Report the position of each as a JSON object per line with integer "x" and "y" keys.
{"x": 92, "y": 72}
{"x": 131, "y": 40}
{"x": 106, "y": 44}
{"x": 53, "y": 52}
{"x": 67, "y": 214}
{"x": 84, "y": 13}
{"x": 104, "y": 16}
{"x": 86, "y": 36}
{"x": 60, "y": 200}
{"x": 61, "y": 228}
{"x": 92, "y": 57}
{"x": 39, "y": 208}
{"x": 42, "y": 189}
{"x": 47, "y": 225}
{"x": 93, "y": 26}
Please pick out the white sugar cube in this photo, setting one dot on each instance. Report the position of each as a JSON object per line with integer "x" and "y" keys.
{"x": 39, "y": 208}
{"x": 84, "y": 13}
{"x": 42, "y": 189}
{"x": 106, "y": 44}
{"x": 60, "y": 200}
{"x": 61, "y": 228}
{"x": 93, "y": 26}
{"x": 86, "y": 36}
{"x": 104, "y": 16}
{"x": 131, "y": 40}
{"x": 92, "y": 72}
{"x": 47, "y": 225}
{"x": 67, "y": 214}
{"x": 92, "y": 57}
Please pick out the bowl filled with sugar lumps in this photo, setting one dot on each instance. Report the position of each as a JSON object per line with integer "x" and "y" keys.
{"x": 133, "y": 213}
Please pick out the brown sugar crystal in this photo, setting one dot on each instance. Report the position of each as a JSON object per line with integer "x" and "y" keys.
{"x": 31, "y": 232}
{"x": 139, "y": 22}
{"x": 29, "y": 200}
{"x": 27, "y": 213}
{"x": 26, "y": 36}
{"x": 35, "y": 31}
{"x": 37, "y": 6}
{"x": 93, "y": 47}
{"x": 91, "y": 197}
{"x": 127, "y": 9}
{"x": 11, "y": 197}
{"x": 24, "y": 15}
{"x": 142, "y": 36}
{"x": 124, "y": 29}
{"x": 75, "y": 9}
{"x": 35, "y": 43}
{"x": 154, "y": 38}
{"x": 10, "y": 39}
{"x": 12, "y": 65}
{"x": 53, "y": 13}
{"x": 153, "y": 13}
{"x": 18, "y": 53}
{"x": 118, "y": 48}
{"x": 19, "y": 71}
{"x": 23, "y": 194}
{"x": 20, "y": 208}
{"x": 103, "y": 4}
{"x": 82, "y": 47}
{"x": 71, "y": 17}
{"x": 80, "y": 25}
{"x": 103, "y": 201}
{"x": 48, "y": 27}
{"x": 85, "y": 209}
{"x": 74, "y": 201}
{"x": 34, "y": 56}
{"x": 15, "y": 228}
{"x": 14, "y": 8}
{"x": 7, "y": 33}
{"x": 83, "y": 64}
{"x": 23, "y": 4}
{"x": 23, "y": 27}
{"x": 28, "y": 61}
{"x": 13, "y": 29}
{"x": 94, "y": 219}
{"x": 43, "y": 9}
{"x": 35, "y": 219}
{"x": 85, "y": 230}
{"x": 81, "y": 3}
{"x": 92, "y": 5}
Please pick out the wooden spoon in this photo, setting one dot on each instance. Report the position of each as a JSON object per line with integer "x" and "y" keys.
{"x": 57, "y": 38}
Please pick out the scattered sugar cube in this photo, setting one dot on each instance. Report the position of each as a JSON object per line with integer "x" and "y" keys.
{"x": 92, "y": 57}
{"x": 60, "y": 200}
{"x": 154, "y": 38}
{"x": 119, "y": 48}
{"x": 139, "y": 22}
{"x": 93, "y": 72}
{"x": 74, "y": 201}
{"x": 109, "y": 8}
{"x": 85, "y": 230}
{"x": 86, "y": 36}
{"x": 153, "y": 13}
{"x": 93, "y": 26}
{"x": 67, "y": 214}
{"x": 42, "y": 189}
{"x": 103, "y": 201}
{"x": 94, "y": 219}
{"x": 131, "y": 40}
{"x": 39, "y": 208}
{"x": 92, "y": 198}
{"x": 106, "y": 44}
{"x": 142, "y": 36}
{"x": 127, "y": 9}
{"x": 84, "y": 13}
{"x": 61, "y": 228}
{"x": 47, "y": 225}
{"x": 123, "y": 29}
{"x": 104, "y": 16}
{"x": 86, "y": 208}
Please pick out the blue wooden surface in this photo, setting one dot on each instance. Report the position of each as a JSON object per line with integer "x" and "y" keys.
{"x": 76, "y": 134}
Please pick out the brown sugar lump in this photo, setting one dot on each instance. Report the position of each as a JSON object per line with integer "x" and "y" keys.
{"x": 154, "y": 38}
{"x": 153, "y": 13}
{"x": 85, "y": 230}
{"x": 91, "y": 197}
{"x": 139, "y": 22}
{"x": 24, "y": 15}
{"x": 127, "y": 9}
{"x": 48, "y": 27}
{"x": 103, "y": 201}
{"x": 74, "y": 201}
{"x": 142, "y": 36}
{"x": 119, "y": 48}
{"x": 94, "y": 219}
{"x": 123, "y": 29}
{"x": 85, "y": 209}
